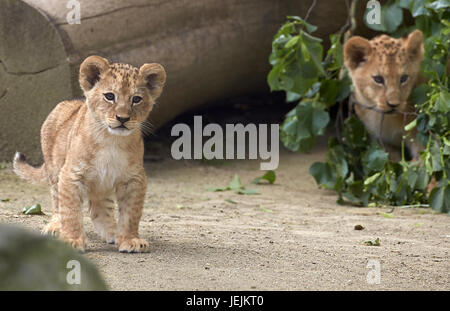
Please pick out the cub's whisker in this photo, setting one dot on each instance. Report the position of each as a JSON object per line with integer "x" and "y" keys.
{"x": 147, "y": 128}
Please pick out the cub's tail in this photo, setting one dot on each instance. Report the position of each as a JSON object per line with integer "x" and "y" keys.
{"x": 27, "y": 172}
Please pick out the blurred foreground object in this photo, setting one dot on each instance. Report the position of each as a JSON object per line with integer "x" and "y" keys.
{"x": 29, "y": 261}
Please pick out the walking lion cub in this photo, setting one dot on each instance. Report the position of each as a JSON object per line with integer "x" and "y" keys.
{"x": 93, "y": 150}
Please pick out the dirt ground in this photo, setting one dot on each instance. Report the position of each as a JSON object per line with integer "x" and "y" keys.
{"x": 292, "y": 236}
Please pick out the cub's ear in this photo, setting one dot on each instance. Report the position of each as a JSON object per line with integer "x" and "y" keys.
{"x": 414, "y": 45}
{"x": 356, "y": 50}
{"x": 91, "y": 70}
{"x": 154, "y": 77}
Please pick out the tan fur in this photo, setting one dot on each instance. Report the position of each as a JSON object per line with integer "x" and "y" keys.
{"x": 391, "y": 59}
{"x": 87, "y": 157}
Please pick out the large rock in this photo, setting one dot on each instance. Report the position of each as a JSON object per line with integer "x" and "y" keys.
{"x": 33, "y": 262}
{"x": 211, "y": 50}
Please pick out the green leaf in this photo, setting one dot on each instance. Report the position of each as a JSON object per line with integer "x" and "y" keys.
{"x": 438, "y": 5}
{"x": 268, "y": 176}
{"x": 230, "y": 201}
{"x": 303, "y": 75}
{"x": 405, "y": 4}
{"x": 235, "y": 184}
{"x": 371, "y": 179}
{"x": 336, "y": 158}
{"x": 292, "y": 97}
{"x": 248, "y": 191}
{"x": 373, "y": 243}
{"x": 301, "y": 21}
{"x": 386, "y": 215}
{"x": 355, "y": 133}
{"x": 344, "y": 88}
{"x": 265, "y": 209}
{"x": 443, "y": 102}
{"x": 411, "y": 177}
{"x": 411, "y": 125}
{"x": 299, "y": 130}
{"x": 391, "y": 18}
{"x": 435, "y": 152}
{"x": 437, "y": 198}
{"x": 323, "y": 175}
{"x": 419, "y": 94}
{"x": 273, "y": 79}
{"x": 374, "y": 159}
{"x": 418, "y": 8}
{"x": 33, "y": 210}
{"x": 315, "y": 51}
{"x": 335, "y": 55}
{"x": 440, "y": 199}
{"x": 320, "y": 119}
{"x": 293, "y": 41}
{"x": 355, "y": 192}
{"x": 422, "y": 179}
{"x": 313, "y": 90}
{"x": 329, "y": 90}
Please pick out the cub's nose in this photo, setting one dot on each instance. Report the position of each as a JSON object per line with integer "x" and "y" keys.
{"x": 122, "y": 120}
{"x": 392, "y": 105}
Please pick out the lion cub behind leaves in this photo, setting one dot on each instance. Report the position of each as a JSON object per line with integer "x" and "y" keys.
{"x": 384, "y": 72}
{"x": 93, "y": 150}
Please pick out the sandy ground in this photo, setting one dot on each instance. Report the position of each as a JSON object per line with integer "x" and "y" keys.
{"x": 292, "y": 236}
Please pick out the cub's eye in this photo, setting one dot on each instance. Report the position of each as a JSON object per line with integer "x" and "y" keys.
{"x": 403, "y": 79}
{"x": 378, "y": 79}
{"x": 136, "y": 99}
{"x": 109, "y": 96}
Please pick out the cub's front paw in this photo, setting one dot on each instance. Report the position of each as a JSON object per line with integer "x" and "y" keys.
{"x": 52, "y": 228}
{"x": 77, "y": 243}
{"x": 133, "y": 245}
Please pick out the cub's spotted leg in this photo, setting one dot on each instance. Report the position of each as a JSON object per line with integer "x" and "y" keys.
{"x": 53, "y": 227}
{"x": 101, "y": 211}
{"x": 130, "y": 198}
{"x": 70, "y": 194}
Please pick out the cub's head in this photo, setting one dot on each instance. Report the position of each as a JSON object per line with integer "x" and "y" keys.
{"x": 384, "y": 70}
{"x": 119, "y": 95}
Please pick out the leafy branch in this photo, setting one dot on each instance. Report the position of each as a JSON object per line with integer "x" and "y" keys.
{"x": 357, "y": 168}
